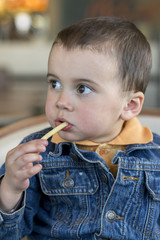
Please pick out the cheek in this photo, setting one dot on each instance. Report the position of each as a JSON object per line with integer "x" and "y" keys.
{"x": 88, "y": 117}
{"x": 93, "y": 117}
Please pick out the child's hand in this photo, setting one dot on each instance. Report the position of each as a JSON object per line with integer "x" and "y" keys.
{"x": 19, "y": 168}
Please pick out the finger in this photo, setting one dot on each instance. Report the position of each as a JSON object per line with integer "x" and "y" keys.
{"x": 30, "y": 171}
{"x": 21, "y": 179}
{"x": 23, "y": 160}
{"x": 26, "y": 159}
{"x": 38, "y": 145}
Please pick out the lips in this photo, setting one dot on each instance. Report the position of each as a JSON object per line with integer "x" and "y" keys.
{"x": 58, "y": 121}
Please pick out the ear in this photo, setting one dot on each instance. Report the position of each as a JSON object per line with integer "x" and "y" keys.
{"x": 133, "y": 106}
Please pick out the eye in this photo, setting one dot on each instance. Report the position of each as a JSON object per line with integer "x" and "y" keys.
{"x": 83, "y": 89}
{"x": 55, "y": 84}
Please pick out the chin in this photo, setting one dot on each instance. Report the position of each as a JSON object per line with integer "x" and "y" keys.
{"x": 70, "y": 138}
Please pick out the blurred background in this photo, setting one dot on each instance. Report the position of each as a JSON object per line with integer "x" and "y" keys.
{"x": 27, "y": 30}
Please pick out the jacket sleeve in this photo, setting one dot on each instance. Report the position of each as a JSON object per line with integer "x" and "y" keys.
{"x": 18, "y": 224}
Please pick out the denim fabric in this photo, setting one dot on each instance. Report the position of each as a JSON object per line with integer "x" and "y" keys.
{"x": 75, "y": 196}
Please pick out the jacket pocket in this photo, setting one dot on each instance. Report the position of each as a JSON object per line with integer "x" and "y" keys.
{"x": 72, "y": 191}
{"x": 146, "y": 213}
{"x": 68, "y": 180}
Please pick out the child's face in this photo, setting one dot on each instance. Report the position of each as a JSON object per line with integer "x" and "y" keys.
{"x": 84, "y": 91}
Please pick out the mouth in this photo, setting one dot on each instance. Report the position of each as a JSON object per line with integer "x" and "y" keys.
{"x": 62, "y": 120}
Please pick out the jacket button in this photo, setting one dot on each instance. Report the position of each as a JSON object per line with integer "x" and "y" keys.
{"x": 110, "y": 216}
{"x": 68, "y": 183}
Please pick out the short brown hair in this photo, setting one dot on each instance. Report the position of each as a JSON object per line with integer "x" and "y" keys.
{"x": 130, "y": 46}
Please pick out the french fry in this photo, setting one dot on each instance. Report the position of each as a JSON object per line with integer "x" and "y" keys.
{"x": 55, "y": 130}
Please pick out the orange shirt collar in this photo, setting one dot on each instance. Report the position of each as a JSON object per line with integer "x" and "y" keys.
{"x": 132, "y": 133}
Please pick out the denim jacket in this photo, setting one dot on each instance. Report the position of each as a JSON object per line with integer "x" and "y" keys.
{"x": 75, "y": 196}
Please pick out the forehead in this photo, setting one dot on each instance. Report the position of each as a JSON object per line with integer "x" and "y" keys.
{"x": 82, "y": 59}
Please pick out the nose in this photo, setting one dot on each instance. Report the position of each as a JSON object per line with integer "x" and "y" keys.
{"x": 64, "y": 101}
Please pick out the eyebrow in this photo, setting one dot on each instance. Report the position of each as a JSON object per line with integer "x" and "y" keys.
{"x": 51, "y": 75}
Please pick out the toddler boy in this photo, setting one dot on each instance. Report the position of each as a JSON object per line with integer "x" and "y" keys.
{"x": 99, "y": 177}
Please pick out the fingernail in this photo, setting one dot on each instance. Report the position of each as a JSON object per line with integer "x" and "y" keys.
{"x": 45, "y": 142}
{"x": 43, "y": 148}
